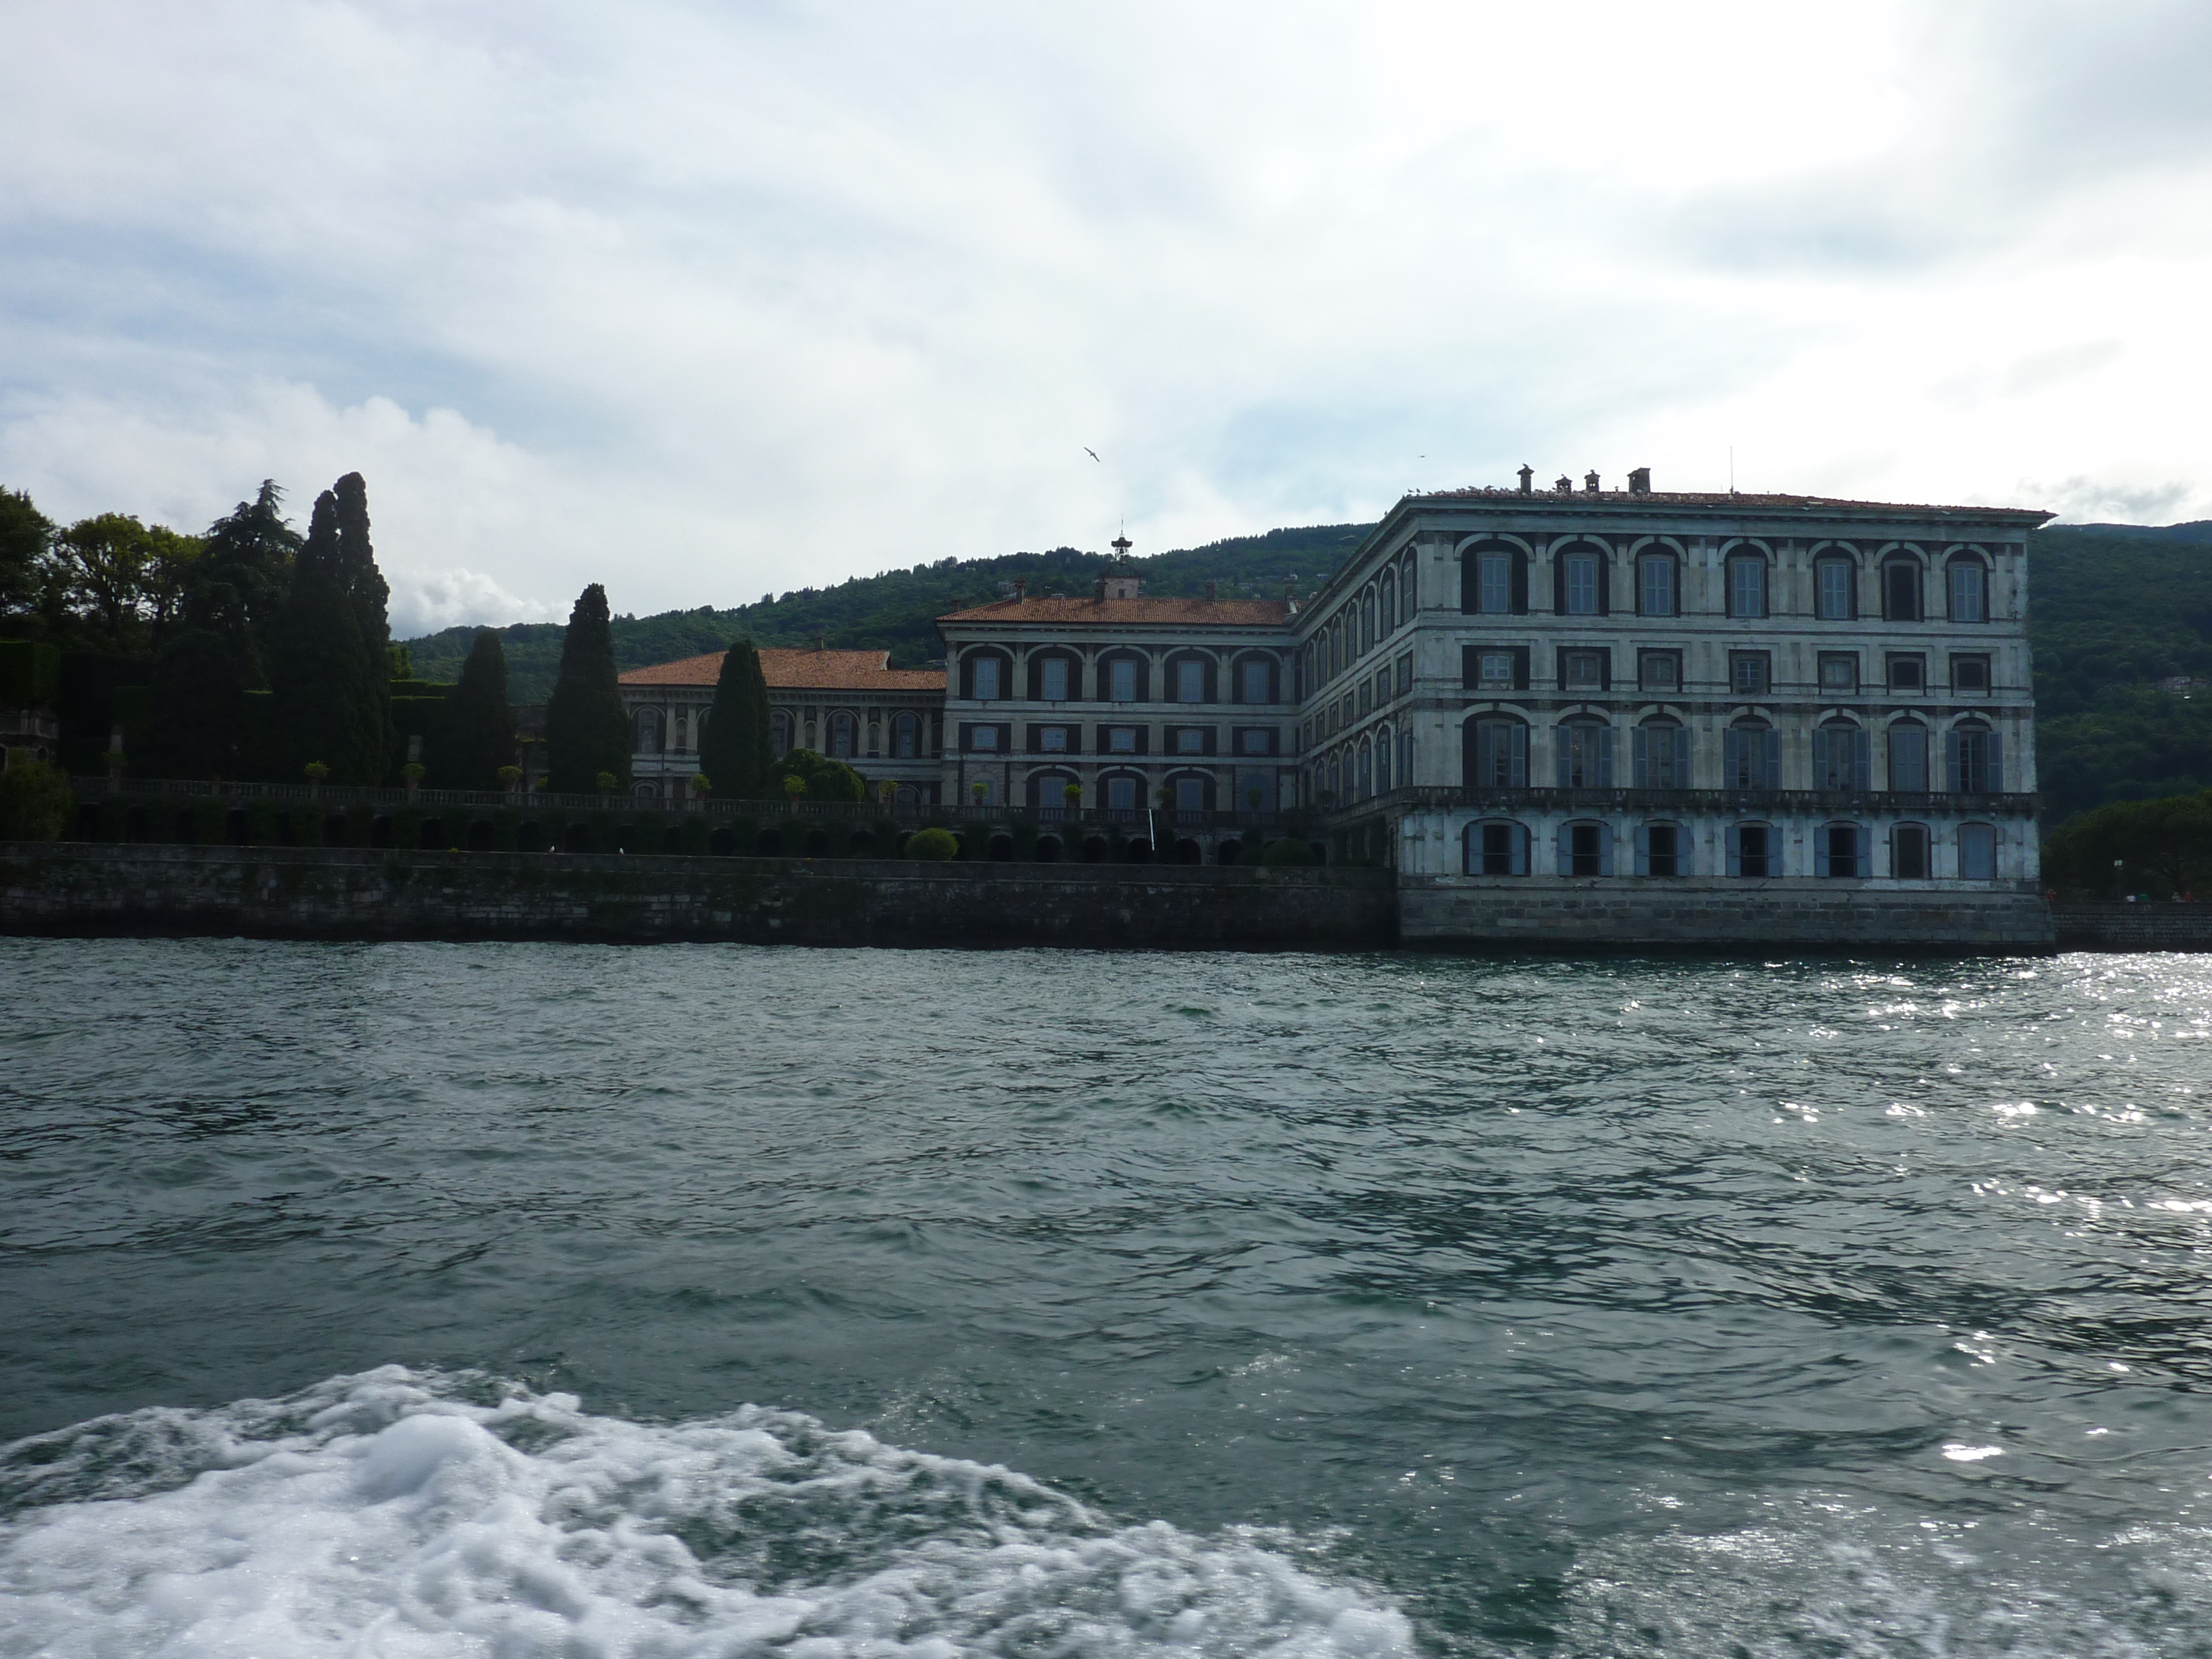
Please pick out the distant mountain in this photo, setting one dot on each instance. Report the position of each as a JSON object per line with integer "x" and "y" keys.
{"x": 2121, "y": 621}
{"x": 895, "y": 611}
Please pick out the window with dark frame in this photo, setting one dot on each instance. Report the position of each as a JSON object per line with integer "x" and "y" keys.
{"x": 1970, "y": 674}
{"x": 1908, "y": 674}
{"x": 1659, "y": 670}
{"x": 1747, "y": 673}
{"x": 1839, "y": 671}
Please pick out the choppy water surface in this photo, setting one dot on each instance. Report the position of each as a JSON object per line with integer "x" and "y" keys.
{"x": 537, "y": 1299}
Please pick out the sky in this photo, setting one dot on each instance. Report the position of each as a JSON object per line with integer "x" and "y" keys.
{"x": 705, "y": 301}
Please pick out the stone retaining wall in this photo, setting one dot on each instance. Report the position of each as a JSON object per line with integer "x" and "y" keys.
{"x": 1539, "y": 911}
{"x": 69, "y": 887}
{"x": 2164, "y": 925}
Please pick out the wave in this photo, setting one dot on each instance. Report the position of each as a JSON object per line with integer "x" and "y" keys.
{"x": 404, "y": 1514}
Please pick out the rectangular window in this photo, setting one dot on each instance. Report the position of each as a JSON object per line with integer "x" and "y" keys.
{"x": 1122, "y": 680}
{"x": 1750, "y": 757}
{"x": 1581, "y": 584}
{"x": 1908, "y": 674}
{"x": 1052, "y": 739}
{"x": 1255, "y": 682}
{"x": 1253, "y": 740}
{"x": 1496, "y": 669}
{"x": 1835, "y": 578}
{"x": 1747, "y": 674}
{"x": 1501, "y": 755}
{"x": 1585, "y": 849}
{"x": 1404, "y": 674}
{"x": 986, "y": 679}
{"x": 1662, "y": 850}
{"x": 1836, "y": 851}
{"x": 1121, "y": 739}
{"x": 1751, "y": 852}
{"x": 1366, "y": 693}
{"x": 1190, "y": 794}
{"x": 1839, "y": 672}
{"x": 1654, "y": 586}
{"x": 1661, "y": 757}
{"x": 1908, "y": 852}
{"x": 1908, "y": 759}
{"x": 1122, "y": 794}
{"x": 1977, "y": 852}
{"x": 1190, "y": 681}
{"x": 1900, "y": 591}
{"x": 1585, "y": 756}
{"x": 1190, "y": 740}
{"x": 1970, "y": 674}
{"x": 1972, "y": 754}
{"x": 1495, "y": 579}
{"x": 1747, "y": 587}
{"x": 983, "y": 739}
{"x": 1660, "y": 670}
{"x": 1502, "y": 850}
{"x": 1582, "y": 670}
{"x": 1970, "y": 597}
{"x": 1055, "y": 679}
{"x": 1840, "y": 757}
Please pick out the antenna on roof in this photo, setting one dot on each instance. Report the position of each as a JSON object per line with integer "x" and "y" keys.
{"x": 1731, "y": 469}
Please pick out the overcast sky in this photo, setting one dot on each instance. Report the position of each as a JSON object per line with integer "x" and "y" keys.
{"x": 704, "y": 301}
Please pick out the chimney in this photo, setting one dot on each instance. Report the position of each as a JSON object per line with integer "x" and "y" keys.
{"x": 1564, "y": 484}
{"x": 1211, "y": 589}
{"x": 1527, "y": 479}
{"x": 821, "y": 642}
{"x": 1021, "y": 589}
{"x": 1639, "y": 481}
{"x": 1590, "y": 483}
{"x": 1098, "y": 592}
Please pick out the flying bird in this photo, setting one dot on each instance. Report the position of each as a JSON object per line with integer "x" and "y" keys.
{"x": 1092, "y": 453}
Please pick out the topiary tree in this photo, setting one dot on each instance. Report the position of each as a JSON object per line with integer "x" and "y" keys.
{"x": 36, "y": 801}
{"x": 586, "y": 732}
{"x": 1289, "y": 850}
{"x": 472, "y": 731}
{"x": 937, "y": 845}
{"x": 736, "y": 750}
{"x": 825, "y": 779}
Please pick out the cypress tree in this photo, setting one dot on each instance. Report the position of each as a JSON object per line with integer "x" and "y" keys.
{"x": 367, "y": 592}
{"x": 585, "y": 731}
{"x": 329, "y": 706}
{"x": 472, "y": 735}
{"x": 736, "y": 752}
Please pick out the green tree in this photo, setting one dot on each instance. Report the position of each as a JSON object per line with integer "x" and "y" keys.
{"x": 96, "y": 573}
{"x": 26, "y": 536}
{"x": 586, "y": 732}
{"x": 473, "y": 734}
{"x": 238, "y": 588}
{"x": 367, "y": 592}
{"x": 36, "y": 802}
{"x": 932, "y": 843}
{"x": 200, "y": 682}
{"x": 824, "y": 779}
{"x": 735, "y": 751}
{"x": 331, "y": 695}
{"x": 2163, "y": 847}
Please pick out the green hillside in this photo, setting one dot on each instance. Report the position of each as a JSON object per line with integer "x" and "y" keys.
{"x": 894, "y": 611}
{"x": 2117, "y": 608}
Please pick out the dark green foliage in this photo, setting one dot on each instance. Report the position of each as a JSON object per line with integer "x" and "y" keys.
{"x": 826, "y": 780}
{"x": 735, "y": 751}
{"x": 365, "y": 587}
{"x": 333, "y": 700}
{"x": 25, "y": 534}
{"x": 261, "y": 824}
{"x": 211, "y": 821}
{"x": 2162, "y": 848}
{"x": 305, "y": 824}
{"x": 36, "y": 802}
{"x": 198, "y": 715}
{"x": 935, "y": 844}
{"x": 30, "y": 674}
{"x": 1288, "y": 850}
{"x": 472, "y": 735}
{"x": 896, "y": 610}
{"x": 407, "y": 828}
{"x": 585, "y": 731}
{"x": 692, "y": 834}
{"x": 238, "y": 587}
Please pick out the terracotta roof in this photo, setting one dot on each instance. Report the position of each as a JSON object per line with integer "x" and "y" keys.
{"x": 820, "y": 670}
{"x": 1503, "y": 496}
{"x": 1202, "y": 613}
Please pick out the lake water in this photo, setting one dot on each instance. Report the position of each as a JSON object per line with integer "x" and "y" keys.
{"x": 417, "y": 1299}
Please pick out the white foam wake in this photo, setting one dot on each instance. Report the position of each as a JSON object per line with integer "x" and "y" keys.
{"x": 398, "y": 1515}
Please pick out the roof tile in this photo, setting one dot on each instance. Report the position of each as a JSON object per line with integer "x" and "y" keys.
{"x": 799, "y": 670}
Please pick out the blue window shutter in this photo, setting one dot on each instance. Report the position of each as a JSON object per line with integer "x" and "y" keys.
{"x": 1642, "y": 848}
{"x": 1996, "y": 763}
{"x": 1640, "y": 749}
{"x": 1520, "y": 841}
{"x": 1605, "y": 764}
{"x": 1605, "y": 849}
{"x": 1951, "y": 761}
{"x": 1519, "y": 748}
{"x": 1567, "y": 850}
{"x": 1770, "y": 741}
{"x": 1821, "y": 851}
{"x": 1681, "y": 758}
{"x": 1735, "y": 850}
{"x": 1819, "y": 758}
{"x": 1862, "y": 763}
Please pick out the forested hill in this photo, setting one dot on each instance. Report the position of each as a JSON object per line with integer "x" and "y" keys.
{"x": 896, "y": 610}
{"x": 2116, "y": 610}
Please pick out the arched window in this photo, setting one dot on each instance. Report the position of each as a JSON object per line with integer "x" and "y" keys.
{"x": 1747, "y": 582}
{"x": 1835, "y": 588}
{"x": 1754, "y": 851}
{"x": 1662, "y": 849}
{"x": 645, "y": 789}
{"x": 1048, "y": 792}
{"x": 1842, "y": 757}
{"x": 1585, "y": 849}
{"x": 1972, "y": 759}
{"x": 680, "y": 731}
{"x": 1389, "y": 602}
{"x": 1839, "y": 850}
{"x": 1968, "y": 586}
{"x": 1383, "y": 762}
{"x": 1658, "y": 590}
{"x": 1494, "y": 579}
{"x": 1663, "y": 755}
{"x": 1497, "y": 753}
{"x": 1366, "y": 768}
{"x": 1053, "y": 677}
{"x": 985, "y": 676}
{"x": 1124, "y": 678}
{"x": 906, "y": 736}
{"x": 1908, "y": 852}
{"x": 1192, "y": 793}
{"x": 843, "y": 732}
{"x": 1336, "y": 776}
{"x": 1497, "y": 847}
{"x": 1367, "y": 634}
{"x": 1908, "y": 757}
{"x": 1977, "y": 852}
{"x": 779, "y": 732}
{"x": 1406, "y": 587}
{"x": 1578, "y": 580}
{"x": 1901, "y": 589}
{"x": 1751, "y": 757}
{"x": 1336, "y": 658}
{"x": 1190, "y": 678}
{"x": 1255, "y": 679}
{"x": 1585, "y": 755}
{"x": 649, "y": 731}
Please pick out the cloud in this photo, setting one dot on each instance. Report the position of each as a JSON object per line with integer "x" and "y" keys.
{"x": 701, "y": 300}
{"x": 2109, "y": 500}
{"x": 423, "y": 602}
